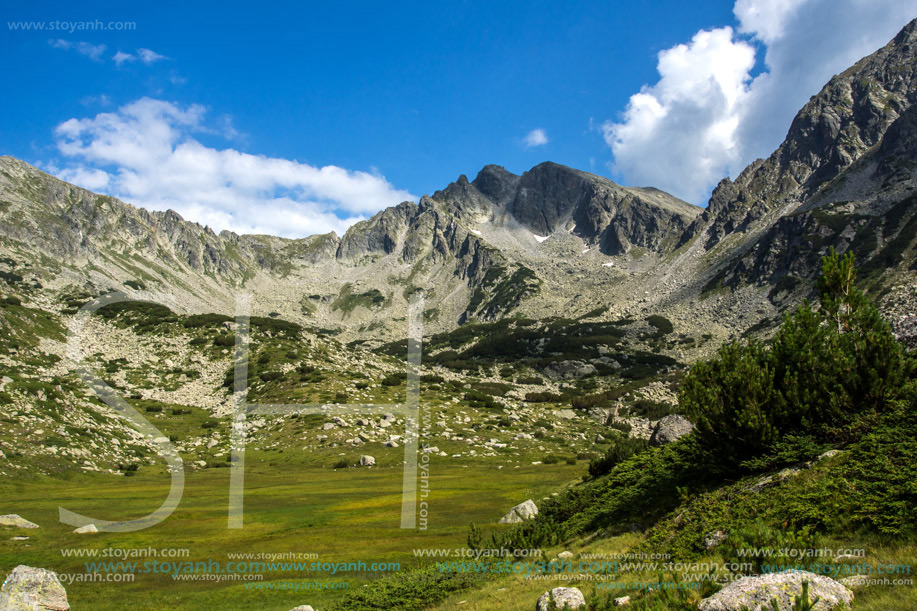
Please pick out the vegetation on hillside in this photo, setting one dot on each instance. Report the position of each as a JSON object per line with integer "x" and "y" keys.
{"x": 832, "y": 377}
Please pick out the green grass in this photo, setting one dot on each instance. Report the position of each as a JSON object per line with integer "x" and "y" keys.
{"x": 345, "y": 515}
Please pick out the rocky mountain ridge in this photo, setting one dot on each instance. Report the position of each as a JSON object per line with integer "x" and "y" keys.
{"x": 552, "y": 240}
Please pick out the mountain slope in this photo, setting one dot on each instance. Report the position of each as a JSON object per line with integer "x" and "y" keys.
{"x": 69, "y": 237}
{"x": 844, "y": 177}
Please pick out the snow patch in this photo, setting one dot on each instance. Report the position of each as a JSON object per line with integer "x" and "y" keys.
{"x": 540, "y": 238}
{"x": 585, "y": 251}
{"x": 609, "y": 264}
{"x": 475, "y": 232}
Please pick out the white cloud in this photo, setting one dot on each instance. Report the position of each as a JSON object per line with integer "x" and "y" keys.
{"x": 93, "y": 52}
{"x": 120, "y": 57}
{"x": 536, "y": 137}
{"x": 88, "y": 178}
{"x": 766, "y": 20}
{"x": 101, "y": 100}
{"x": 707, "y": 116}
{"x": 145, "y": 153}
{"x": 678, "y": 134}
{"x": 145, "y": 56}
{"x": 149, "y": 57}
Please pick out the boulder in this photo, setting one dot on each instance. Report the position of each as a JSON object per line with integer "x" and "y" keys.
{"x": 16, "y": 521}
{"x": 758, "y": 591}
{"x": 622, "y": 601}
{"x": 599, "y": 414}
{"x": 520, "y": 513}
{"x": 367, "y": 461}
{"x": 85, "y": 530}
{"x": 565, "y": 370}
{"x": 31, "y": 589}
{"x": 303, "y": 608}
{"x": 669, "y": 429}
{"x": 564, "y": 598}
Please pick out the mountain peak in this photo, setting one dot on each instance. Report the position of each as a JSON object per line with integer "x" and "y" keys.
{"x": 834, "y": 129}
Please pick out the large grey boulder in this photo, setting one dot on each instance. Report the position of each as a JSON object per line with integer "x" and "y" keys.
{"x": 520, "y": 513}
{"x": 31, "y": 589}
{"x": 16, "y": 521}
{"x": 565, "y": 370}
{"x": 303, "y": 608}
{"x": 756, "y": 593}
{"x": 564, "y": 598}
{"x": 669, "y": 429}
{"x": 86, "y": 530}
{"x": 367, "y": 461}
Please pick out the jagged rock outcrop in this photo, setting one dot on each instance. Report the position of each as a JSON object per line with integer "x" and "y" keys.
{"x": 551, "y": 197}
{"x": 833, "y": 130}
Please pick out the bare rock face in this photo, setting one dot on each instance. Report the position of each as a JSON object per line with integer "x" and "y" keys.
{"x": 757, "y": 592}
{"x": 842, "y": 178}
{"x": 31, "y": 589}
{"x": 550, "y": 197}
{"x": 520, "y": 513}
{"x": 564, "y": 598}
{"x": 669, "y": 429}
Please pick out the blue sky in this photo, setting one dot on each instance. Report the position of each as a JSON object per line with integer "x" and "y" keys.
{"x": 304, "y": 117}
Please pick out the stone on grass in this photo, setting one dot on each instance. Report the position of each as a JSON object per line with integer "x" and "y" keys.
{"x": 622, "y": 601}
{"x": 758, "y": 591}
{"x": 571, "y": 597}
{"x": 303, "y": 608}
{"x": 31, "y": 589}
{"x": 367, "y": 461}
{"x": 521, "y": 512}
{"x": 86, "y": 530}
{"x": 16, "y": 521}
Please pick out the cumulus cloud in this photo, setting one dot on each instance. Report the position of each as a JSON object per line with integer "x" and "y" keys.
{"x": 678, "y": 134}
{"x": 536, "y": 137}
{"x": 709, "y": 114}
{"x": 149, "y": 57}
{"x": 120, "y": 57}
{"x": 93, "y": 52}
{"x": 146, "y": 153}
